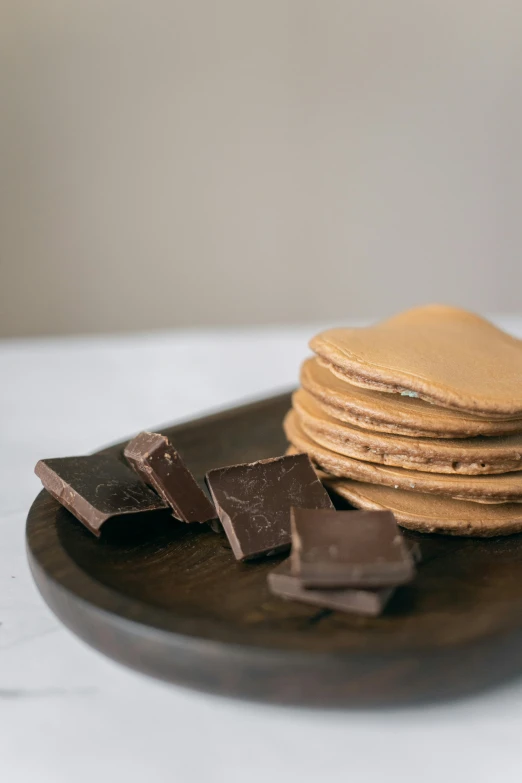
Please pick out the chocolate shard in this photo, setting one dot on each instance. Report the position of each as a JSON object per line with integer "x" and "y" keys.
{"x": 96, "y": 488}
{"x": 253, "y": 501}
{"x": 349, "y": 549}
{"x": 158, "y": 463}
{"x": 282, "y": 583}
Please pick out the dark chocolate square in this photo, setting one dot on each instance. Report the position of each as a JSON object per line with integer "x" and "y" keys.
{"x": 282, "y": 583}
{"x": 253, "y": 501}
{"x": 96, "y": 488}
{"x": 348, "y": 549}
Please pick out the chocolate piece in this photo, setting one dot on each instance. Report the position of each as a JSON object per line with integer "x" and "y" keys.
{"x": 158, "y": 463}
{"x": 282, "y": 583}
{"x": 348, "y": 549}
{"x": 253, "y": 501}
{"x": 96, "y": 488}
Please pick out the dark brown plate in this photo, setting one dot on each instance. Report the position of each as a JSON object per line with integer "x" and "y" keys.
{"x": 170, "y": 600}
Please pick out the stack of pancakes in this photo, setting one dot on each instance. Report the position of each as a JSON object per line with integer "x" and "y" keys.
{"x": 421, "y": 415}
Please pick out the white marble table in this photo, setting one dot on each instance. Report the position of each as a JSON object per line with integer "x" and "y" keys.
{"x": 69, "y": 715}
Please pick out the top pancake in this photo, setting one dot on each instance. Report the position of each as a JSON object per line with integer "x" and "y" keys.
{"x": 394, "y": 413}
{"x": 441, "y": 354}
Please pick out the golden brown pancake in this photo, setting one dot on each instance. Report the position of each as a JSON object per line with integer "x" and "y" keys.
{"x": 441, "y": 354}
{"x": 503, "y": 488}
{"x": 432, "y": 513}
{"x": 394, "y": 413}
{"x": 470, "y": 456}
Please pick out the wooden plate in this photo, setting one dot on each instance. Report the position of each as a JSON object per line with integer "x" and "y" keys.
{"x": 170, "y": 600}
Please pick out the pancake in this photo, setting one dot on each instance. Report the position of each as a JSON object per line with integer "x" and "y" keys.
{"x": 432, "y": 513}
{"x": 443, "y": 355}
{"x": 503, "y": 488}
{"x": 471, "y": 456}
{"x": 394, "y": 413}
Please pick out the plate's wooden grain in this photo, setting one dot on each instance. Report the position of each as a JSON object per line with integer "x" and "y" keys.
{"x": 170, "y": 600}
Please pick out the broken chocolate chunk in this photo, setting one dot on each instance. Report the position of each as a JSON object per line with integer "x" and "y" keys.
{"x": 158, "y": 463}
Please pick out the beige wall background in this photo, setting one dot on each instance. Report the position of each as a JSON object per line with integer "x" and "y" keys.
{"x": 184, "y": 162}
